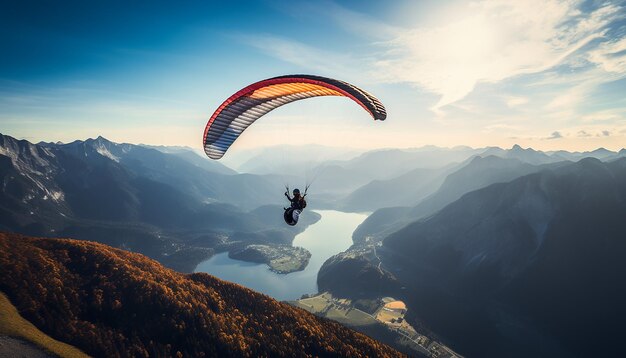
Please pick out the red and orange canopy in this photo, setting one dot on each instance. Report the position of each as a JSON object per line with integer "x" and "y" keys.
{"x": 252, "y": 102}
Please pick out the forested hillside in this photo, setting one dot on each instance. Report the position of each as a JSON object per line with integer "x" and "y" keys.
{"x": 110, "y": 302}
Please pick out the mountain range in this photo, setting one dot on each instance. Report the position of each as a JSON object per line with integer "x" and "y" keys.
{"x": 475, "y": 173}
{"x": 526, "y": 266}
{"x": 175, "y": 207}
{"x": 499, "y": 252}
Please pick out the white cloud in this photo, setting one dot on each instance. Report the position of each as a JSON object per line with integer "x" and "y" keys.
{"x": 514, "y": 101}
{"x": 610, "y": 56}
{"x": 489, "y": 41}
{"x": 605, "y": 116}
{"x": 569, "y": 99}
{"x": 530, "y": 66}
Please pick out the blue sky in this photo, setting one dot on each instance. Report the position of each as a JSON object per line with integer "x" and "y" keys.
{"x": 546, "y": 74}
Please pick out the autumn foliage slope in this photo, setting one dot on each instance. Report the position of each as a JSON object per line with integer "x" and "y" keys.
{"x": 110, "y": 302}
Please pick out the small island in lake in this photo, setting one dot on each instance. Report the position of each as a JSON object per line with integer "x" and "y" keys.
{"x": 280, "y": 258}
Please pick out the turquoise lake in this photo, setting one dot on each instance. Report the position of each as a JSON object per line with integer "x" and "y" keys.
{"x": 331, "y": 235}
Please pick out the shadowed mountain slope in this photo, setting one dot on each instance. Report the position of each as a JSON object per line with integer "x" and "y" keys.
{"x": 537, "y": 259}
{"x": 476, "y": 173}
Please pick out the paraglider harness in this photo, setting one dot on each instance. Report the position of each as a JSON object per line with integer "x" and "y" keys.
{"x": 292, "y": 214}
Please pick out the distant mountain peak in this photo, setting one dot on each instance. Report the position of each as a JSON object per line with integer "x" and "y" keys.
{"x": 100, "y": 145}
{"x": 99, "y": 139}
{"x": 587, "y": 161}
{"x": 602, "y": 150}
{"x": 487, "y": 159}
{"x": 518, "y": 148}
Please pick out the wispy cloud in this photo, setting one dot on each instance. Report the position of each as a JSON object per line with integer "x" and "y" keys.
{"x": 605, "y": 116}
{"x": 610, "y": 56}
{"x": 494, "y": 40}
{"x": 349, "y": 20}
{"x": 494, "y": 68}
{"x": 300, "y": 54}
{"x": 514, "y": 101}
{"x": 486, "y": 41}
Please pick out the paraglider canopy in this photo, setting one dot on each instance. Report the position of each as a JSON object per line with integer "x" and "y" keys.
{"x": 252, "y": 102}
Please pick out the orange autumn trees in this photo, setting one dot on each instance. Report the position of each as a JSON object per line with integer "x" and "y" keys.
{"x": 110, "y": 302}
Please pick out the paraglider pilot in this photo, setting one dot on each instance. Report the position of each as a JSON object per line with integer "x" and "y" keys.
{"x": 292, "y": 214}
